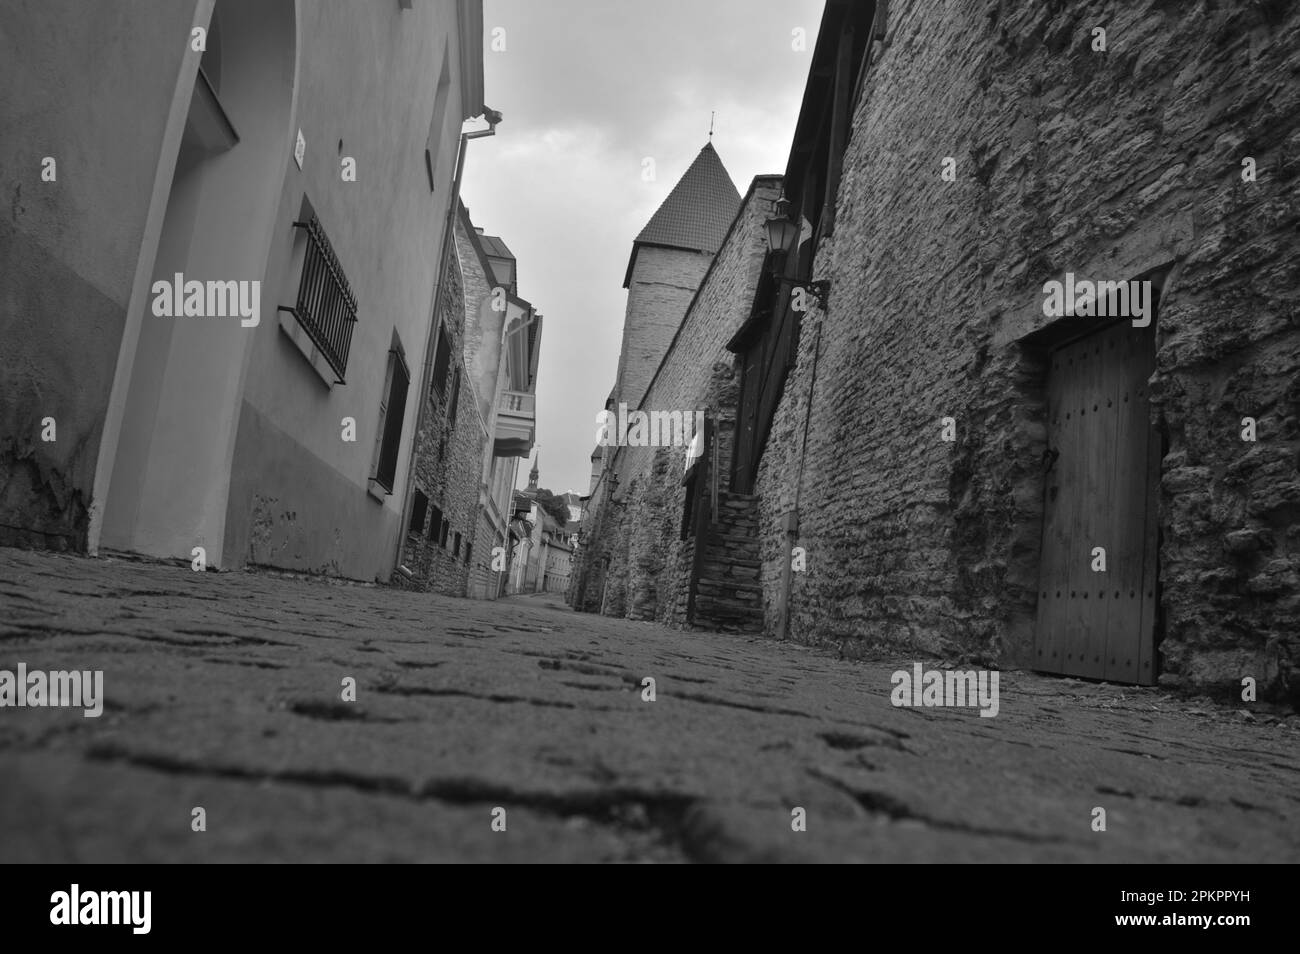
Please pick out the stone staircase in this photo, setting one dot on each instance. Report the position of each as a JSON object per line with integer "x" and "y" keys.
{"x": 729, "y": 594}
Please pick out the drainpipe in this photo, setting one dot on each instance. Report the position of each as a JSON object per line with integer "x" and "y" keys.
{"x": 448, "y": 236}
{"x": 790, "y": 520}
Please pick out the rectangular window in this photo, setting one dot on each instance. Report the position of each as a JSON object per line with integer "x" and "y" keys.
{"x": 467, "y": 549}
{"x": 441, "y": 362}
{"x": 455, "y": 550}
{"x": 325, "y": 308}
{"x": 455, "y": 398}
{"x": 419, "y": 509}
{"x": 435, "y": 525}
{"x": 391, "y": 413}
{"x": 446, "y": 528}
{"x": 437, "y": 122}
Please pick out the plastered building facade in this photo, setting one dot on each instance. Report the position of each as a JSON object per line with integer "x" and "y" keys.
{"x": 220, "y": 143}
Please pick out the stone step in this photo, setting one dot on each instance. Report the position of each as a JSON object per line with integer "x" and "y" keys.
{"x": 726, "y": 556}
{"x": 739, "y": 545}
{"x": 726, "y": 550}
{"x": 739, "y": 539}
{"x": 737, "y": 595}
{"x": 732, "y": 583}
{"x": 707, "y": 610}
{"x": 730, "y": 570}
{"x": 731, "y": 535}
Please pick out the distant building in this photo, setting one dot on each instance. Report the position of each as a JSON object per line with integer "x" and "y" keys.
{"x": 455, "y": 432}
{"x": 669, "y": 259}
{"x": 543, "y": 557}
{"x": 653, "y": 545}
{"x": 219, "y": 279}
{"x": 502, "y": 347}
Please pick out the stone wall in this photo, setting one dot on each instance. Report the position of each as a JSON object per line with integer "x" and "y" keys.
{"x": 449, "y": 454}
{"x": 1115, "y": 164}
{"x": 649, "y": 563}
{"x": 663, "y": 283}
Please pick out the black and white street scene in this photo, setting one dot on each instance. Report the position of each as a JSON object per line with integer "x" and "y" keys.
{"x": 562, "y": 431}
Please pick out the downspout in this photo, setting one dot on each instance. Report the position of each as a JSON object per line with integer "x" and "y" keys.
{"x": 790, "y": 520}
{"x": 448, "y": 237}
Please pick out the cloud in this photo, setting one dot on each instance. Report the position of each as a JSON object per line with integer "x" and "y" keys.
{"x": 588, "y": 90}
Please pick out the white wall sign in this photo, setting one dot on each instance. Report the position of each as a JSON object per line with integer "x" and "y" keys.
{"x": 299, "y": 149}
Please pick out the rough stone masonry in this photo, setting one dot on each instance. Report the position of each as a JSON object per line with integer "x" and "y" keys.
{"x": 996, "y": 147}
{"x": 1116, "y": 163}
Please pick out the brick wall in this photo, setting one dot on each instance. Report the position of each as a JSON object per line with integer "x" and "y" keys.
{"x": 1105, "y": 163}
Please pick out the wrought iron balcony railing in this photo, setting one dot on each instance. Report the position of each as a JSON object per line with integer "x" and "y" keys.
{"x": 518, "y": 403}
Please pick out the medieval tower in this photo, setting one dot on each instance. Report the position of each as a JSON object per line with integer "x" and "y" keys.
{"x": 669, "y": 260}
{"x": 667, "y": 264}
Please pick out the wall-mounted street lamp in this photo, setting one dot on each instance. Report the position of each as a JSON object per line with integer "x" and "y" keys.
{"x": 782, "y": 238}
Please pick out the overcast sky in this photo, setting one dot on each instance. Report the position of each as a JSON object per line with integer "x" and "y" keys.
{"x": 588, "y": 89}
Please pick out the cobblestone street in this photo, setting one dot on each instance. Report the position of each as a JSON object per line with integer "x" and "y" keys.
{"x": 223, "y": 691}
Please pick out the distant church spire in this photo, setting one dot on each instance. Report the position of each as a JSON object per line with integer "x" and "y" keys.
{"x": 532, "y": 474}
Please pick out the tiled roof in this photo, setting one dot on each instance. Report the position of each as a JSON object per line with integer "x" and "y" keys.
{"x": 696, "y": 214}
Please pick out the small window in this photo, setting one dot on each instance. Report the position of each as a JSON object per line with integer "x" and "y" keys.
{"x": 419, "y": 510}
{"x": 441, "y": 362}
{"x": 455, "y": 398}
{"x": 325, "y": 307}
{"x": 392, "y": 410}
{"x": 435, "y": 525}
{"x": 446, "y": 528}
{"x": 437, "y": 121}
{"x": 467, "y": 549}
{"x": 455, "y": 550}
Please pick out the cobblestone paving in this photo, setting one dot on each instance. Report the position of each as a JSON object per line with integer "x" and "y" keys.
{"x": 223, "y": 691}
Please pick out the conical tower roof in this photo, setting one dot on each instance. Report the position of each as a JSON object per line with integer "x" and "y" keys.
{"x": 696, "y": 214}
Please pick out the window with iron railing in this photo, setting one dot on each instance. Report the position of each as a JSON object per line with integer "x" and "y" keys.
{"x": 519, "y": 402}
{"x": 326, "y": 308}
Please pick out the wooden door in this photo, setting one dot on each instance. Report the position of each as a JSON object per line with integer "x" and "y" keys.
{"x": 1101, "y": 484}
